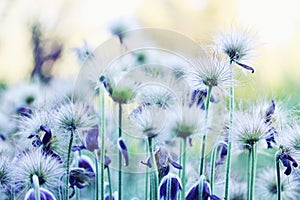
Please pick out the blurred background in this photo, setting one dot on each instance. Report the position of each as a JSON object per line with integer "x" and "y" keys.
{"x": 59, "y": 26}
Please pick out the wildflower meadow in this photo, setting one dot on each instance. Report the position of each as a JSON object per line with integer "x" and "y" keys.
{"x": 151, "y": 115}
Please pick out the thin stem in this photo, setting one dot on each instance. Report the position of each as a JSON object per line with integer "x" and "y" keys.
{"x": 213, "y": 163}
{"x": 183, "y": 169}
{"x": 147, "y": 174}
{"x": 68, "y": 163}
{"x": 102, "y": 142}
{"x": 202, "y": 160}
{"x": 249, "y": 172}
{"x": 97, "y": 175}
{"x": 154, "y": 176}
{"x": 120, "y": 155}
{"x": 109, "y": 182}
{"x": 253, "y": 167}
{"x": 279, "y": 196}
{"x": 36, "y": 185}
{"x": 228, "y": 161}
{"x": 180, "y": 159}
{"x": 169, "y": 188}
{"x": 201, "y": 181}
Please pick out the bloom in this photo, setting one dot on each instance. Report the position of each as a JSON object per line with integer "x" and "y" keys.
{"x": 171, "y": 182}
{"x": 238, "y": 46}
{"x": 267, "y": 186}
{"x": 211, "y": 72}
{"x": 44, "y": 195}
{"x": 48, "y": 170}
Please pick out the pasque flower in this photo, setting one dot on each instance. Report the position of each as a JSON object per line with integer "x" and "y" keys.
{"x": 169, "y": 187}
{"x": 193, "y": 193}
{"x": 44, "y": 195}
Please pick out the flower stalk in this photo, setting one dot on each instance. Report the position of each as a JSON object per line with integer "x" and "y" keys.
{"x": 202, "y": 160}
{"x": 36, "y": 185}
{"x": 154, "y": 175}
{"x": 183, "y": 169}
{"x": 279, "y": 196}
{"x": 120, "y": 154}
{"x": 252, "y": 152}
{"x": 69, "y": 163}
{"x": 102, "y": 142}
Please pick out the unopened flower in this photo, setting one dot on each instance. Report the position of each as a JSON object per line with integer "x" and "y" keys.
{"x": 267, "y": 186}
{"x": 287, "y": 160}
{"x": 170, "y": 183}
{"x": 123, "y": 150}
{"x": 48, "y": 170}
{"x": 193, "y": 193}
{"x": 238, "y": 46}
{"x": 44, "y": 194}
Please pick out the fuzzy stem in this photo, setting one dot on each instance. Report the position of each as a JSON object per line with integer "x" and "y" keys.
{"x": 36, "y": 186}
{"x": 97, "y": 175}
{"x": 279, "y": 197}
{"x": 120, "y": 155}
{"x": 109, "y": 182}
{"x": 69, "y": 163}
{"x": 102, "y": 141}
{"x": 183, "y": 169}
{"x": 213, "y": 163}
{"x": 154, "y": 176}
{"x": 201, "y": 181}
{"x": 252, "y": 177}
{"x": 147, "y": 174}
{"x": 228, "y": 160}
{"x": 180, "y": 159}
{"x": 202, "y": 160}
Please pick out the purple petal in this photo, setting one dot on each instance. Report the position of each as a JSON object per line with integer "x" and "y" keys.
{"x": 245, "y": 66}
{"x": 176, "y": 165}
{"x": 148, "y": 163}
{"x": 92, "y": 138}
{"x": 123, "y": 150}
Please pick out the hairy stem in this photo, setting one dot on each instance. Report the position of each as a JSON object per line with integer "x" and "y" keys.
{"x": 120, "y": 155}
{"x": 253, "y": 169}
{"x": 102, "y": 142}
{"x": 183, "y": 169}
{"x": 36, "y": 186}
{"x": 147, "y": 173}
{"x": 109, "y": 182}
{"x": 279, "y": 197}
{"x": 202, "y": 158}
{"x": 97, "y": 175}
{"x": 69, "y": 163}
{"x": 154, "y": 176}
{"x": 228, "y": 160}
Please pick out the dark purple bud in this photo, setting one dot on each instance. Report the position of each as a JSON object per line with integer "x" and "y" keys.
{"x": 123, "y": 150}
{"x": 2, "y": 137}
{"x": 107, "y": 197}
{"x": 77, "y": 148}
{"x": 245, "y": 66}
{"x": 175, "y": 186}
{"x": 190, "y": 141}
{"x": 107, "y": 161}
{"x": 45, "y": 129}
{"x": 270, "y": 111}
{"x": 91, "y": 138}
{"x": 106, "y": 84}
{"x": 294, "y": 162}
{"x": 44, "y": 195}
{"x": 32, "y": 135}
{"x": 85, "y": 163}
{"x": 24, "y": 111}
{"x": 176, "y": 165}
{"x": 193, "y": 193}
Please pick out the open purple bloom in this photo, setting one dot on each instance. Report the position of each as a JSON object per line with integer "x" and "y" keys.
{"x": 80, "y": 178}
{"x": 270, "y": 138}
{"x": 174, "y": 184}
{"x": 44, "y": 195}
{"x": 198, "y": 96}
{"x": 193, "y": 193}
{"x": 123, "y": 150}
{"x": 286, "y": 159}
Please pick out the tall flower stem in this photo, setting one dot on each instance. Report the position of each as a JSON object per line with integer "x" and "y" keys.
{"x": 169, "y": 188}
{"x": 180, "y": 159}
{"x": 69, "y": 163}
{"x": 97, "y": 175}
{"x": 154, "y": 176}
{"x": 213, "y": 163}
{"x": 36, "y": 185}
{"x": 231, "y": 110}
{"x": 102, "y": 141}
{"x": 253, "y": 169}
{"x": 120, "y": 155}
{"x": 249, "y": 172}
{"x": 279, "y": 197}
{"x": 201, "y": 183}
{"x": 147, "y": 174}
{"x": 183, "y": 169}
{"x": 202, "y": 158}
{"x": 109, "y": 182}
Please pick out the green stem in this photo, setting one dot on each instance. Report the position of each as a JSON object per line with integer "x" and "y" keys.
{"x": 279, "y": 196}
{"x": 249, "y": 173}
{"x": 69, "y": 163}
{"x": 183, "y": 169}
{"x": 202, "y": 160}
{"x": 109, "y": 182}
{"x": 169, "y": 189}
{"x": 201, "y": 181}
{"x": 154, "y": 176}
{"x": 97, "y": 175}
{"x": 253, "y": 167}
{"x": 228, "y": 161}
{"x": 120, "y": 155}
{"x": 147, "y": 173}
{"x": 213, "y": 163}
{"x": 36, "y": 186}
{"x": 180, "y": 159}
{"x": 102, "y": 142}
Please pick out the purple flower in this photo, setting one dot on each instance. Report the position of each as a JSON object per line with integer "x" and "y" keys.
{"x": 44, "y": 195}
{"x": 174, "y": 183}
{"x": 193, "y": 193}
{"x": 123, "y": 150}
